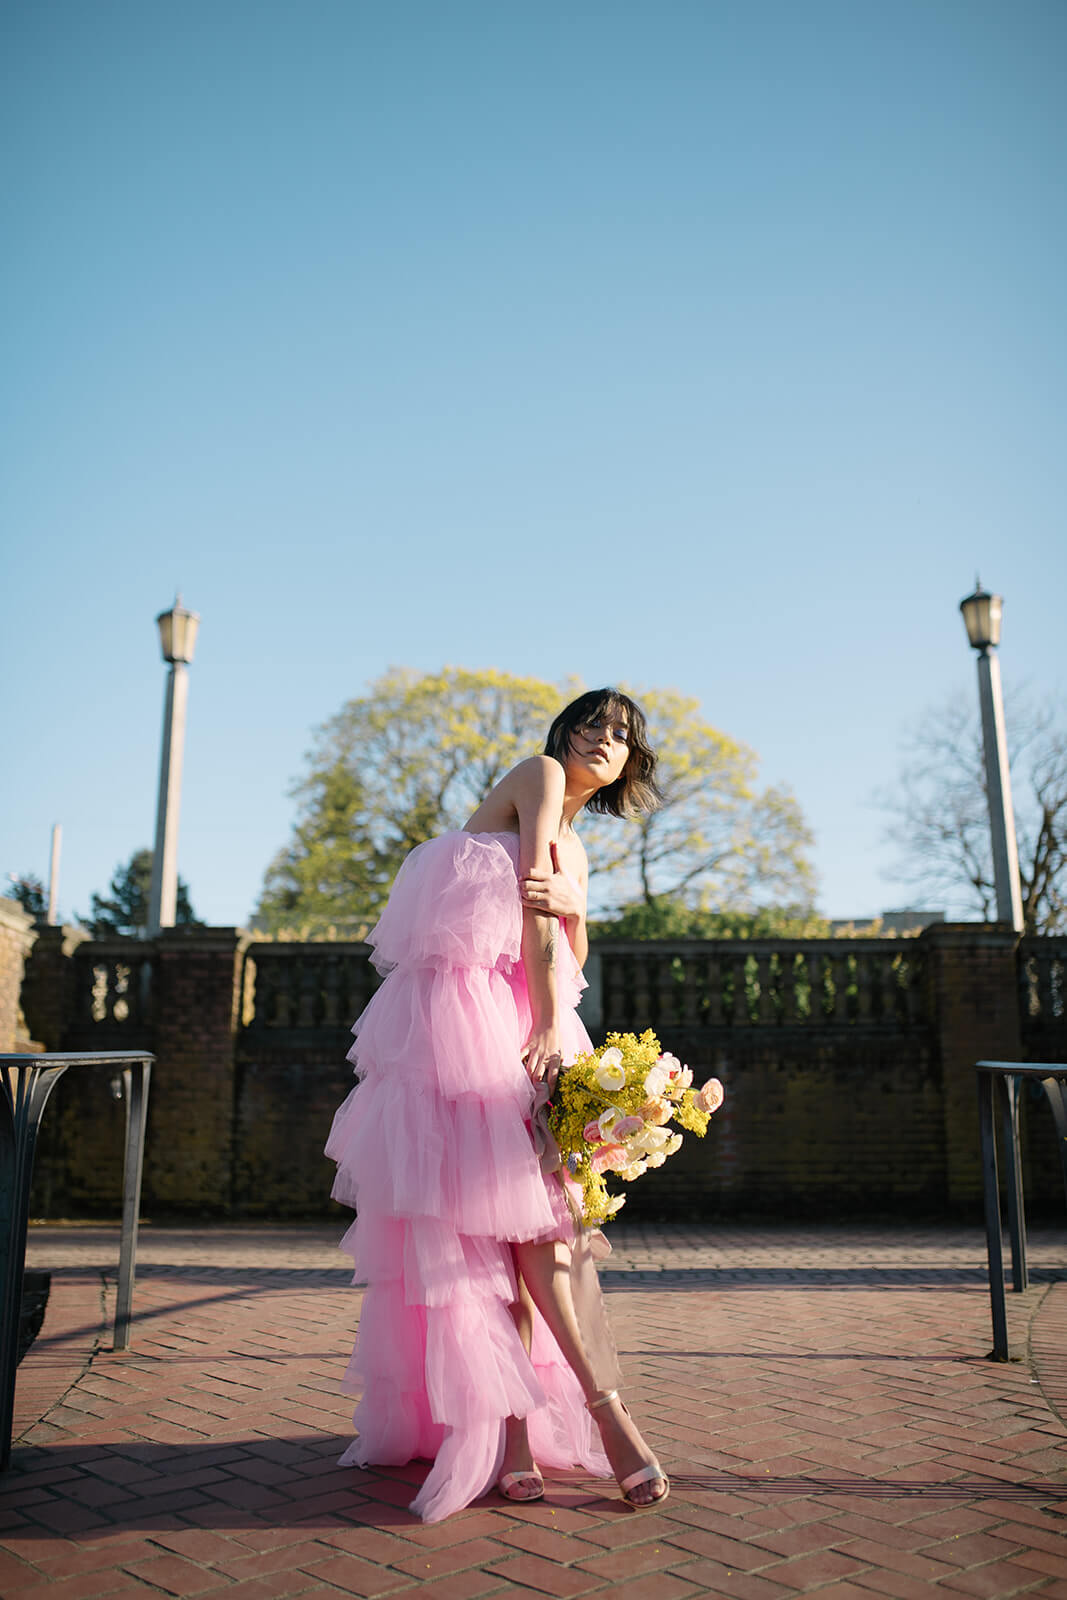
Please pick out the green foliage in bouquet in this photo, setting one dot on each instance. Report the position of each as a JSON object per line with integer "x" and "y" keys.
{"x": 612, "y": 1110}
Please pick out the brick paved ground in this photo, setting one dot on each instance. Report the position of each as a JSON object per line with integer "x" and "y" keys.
{"x": 820, "y": 1396}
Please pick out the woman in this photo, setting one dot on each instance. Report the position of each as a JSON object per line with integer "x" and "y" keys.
{"x": 482, "y": 1343}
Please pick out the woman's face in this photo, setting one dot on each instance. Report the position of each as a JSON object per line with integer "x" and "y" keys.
{"x": 600, "y": 748}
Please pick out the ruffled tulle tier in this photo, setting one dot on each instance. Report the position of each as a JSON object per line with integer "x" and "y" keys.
{"x": 434, "y": 1152}
{"x": 455, "y": 903}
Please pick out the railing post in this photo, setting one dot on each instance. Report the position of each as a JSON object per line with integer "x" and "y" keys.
{"x": 1020, "y": 1280}
{"x": 135, "y": 1082}
{"x": 991, "y": 1203}
{"x": 25, "y": 1093}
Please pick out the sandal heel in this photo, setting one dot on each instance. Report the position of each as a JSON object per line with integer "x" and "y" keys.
{"x": 651, "y": 1473}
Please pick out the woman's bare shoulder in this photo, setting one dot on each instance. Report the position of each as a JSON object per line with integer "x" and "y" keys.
{"x": 521, "y": 791}
{"x": 538, "y": 775}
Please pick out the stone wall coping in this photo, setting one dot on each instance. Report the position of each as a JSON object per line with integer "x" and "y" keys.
{"x": 833, "y": 944}
{"x": 18, "y": 921}
{"x": 604, "y": 946}
{"x": 991, "y": 935}
{"x": 299, "y": 947}
{"x": 969, "y": 935}
{"x": 171, "y": 939}
{"x": 64, "y": 934}
{"x": 232, "y": 938}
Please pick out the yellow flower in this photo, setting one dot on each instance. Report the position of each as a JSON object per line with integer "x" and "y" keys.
{"x": 616, "y": 1093}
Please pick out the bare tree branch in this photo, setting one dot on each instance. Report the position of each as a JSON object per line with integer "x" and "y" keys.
{"x": 940, "y": 816}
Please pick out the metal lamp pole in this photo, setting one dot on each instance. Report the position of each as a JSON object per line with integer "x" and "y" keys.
{"x": 177, "y": 634}
{"x": 981, "y": 615}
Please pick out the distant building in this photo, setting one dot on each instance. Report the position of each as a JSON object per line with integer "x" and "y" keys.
{"x": 890, "y": 922}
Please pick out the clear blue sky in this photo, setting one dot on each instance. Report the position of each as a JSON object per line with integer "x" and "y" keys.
{"x": 713, "y": 345}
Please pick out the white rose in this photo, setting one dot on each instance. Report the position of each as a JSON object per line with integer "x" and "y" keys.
{"x": 610, "y": 1073}
{"x": 607, "y": 1120}
{"x": 656, "y": 1080}
{"x": 650, "y": 1140}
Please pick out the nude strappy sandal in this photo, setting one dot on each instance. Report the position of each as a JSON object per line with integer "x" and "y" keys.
{"x": 647, "y": 1474}
{"x": 514, "y": 1480}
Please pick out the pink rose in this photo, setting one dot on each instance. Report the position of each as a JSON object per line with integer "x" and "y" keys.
{"x": 591, "y": 1133}
{"x": 626, "y": 1127}
{"x": 710, "y": 1096}
{"x": 610, "y": 1157}
{"x": 657, "y": 1112}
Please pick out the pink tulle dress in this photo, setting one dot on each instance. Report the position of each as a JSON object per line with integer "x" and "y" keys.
{"x": 434, "y": 1152}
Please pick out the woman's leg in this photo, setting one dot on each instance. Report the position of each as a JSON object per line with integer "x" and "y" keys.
{"x": 545, "y": 1270}
{"x": 517, "y": 1455}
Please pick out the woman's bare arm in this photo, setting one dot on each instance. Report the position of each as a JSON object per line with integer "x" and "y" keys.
{"x": 538, "y": 796}
{"x": 561, "y": 893}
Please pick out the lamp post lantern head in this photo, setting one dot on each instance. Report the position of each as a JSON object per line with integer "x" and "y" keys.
{"x": 177, "y": 632}
{"x": 981, "y": 616}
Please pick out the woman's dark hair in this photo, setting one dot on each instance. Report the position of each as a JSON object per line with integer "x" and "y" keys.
{"x": 635, "y": 790}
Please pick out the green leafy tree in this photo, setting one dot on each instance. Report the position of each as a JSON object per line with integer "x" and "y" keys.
{"x": 940, "y": 817}
{"x": 332, "y": 875}
{"x": 30, "y": 893}
{"x": 719, "y": 842}
{"x": 124, "y": 909}
{"x": 418, "y": 752}
{"x": 411, "y": 758}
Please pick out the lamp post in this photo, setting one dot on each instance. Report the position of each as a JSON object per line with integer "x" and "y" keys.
{"x": 981, "y": 616}
{"x": 177, "y": 636}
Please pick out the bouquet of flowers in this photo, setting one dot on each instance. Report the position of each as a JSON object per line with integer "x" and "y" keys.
{"x": 611, "y": 1112}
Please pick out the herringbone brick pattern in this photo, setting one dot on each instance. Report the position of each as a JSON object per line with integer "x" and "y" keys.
{"x": 821, "y": 1398}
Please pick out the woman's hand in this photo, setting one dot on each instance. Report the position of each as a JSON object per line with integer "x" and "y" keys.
{"x": 552, "y": 893}
{"x": 542, "y": 1057}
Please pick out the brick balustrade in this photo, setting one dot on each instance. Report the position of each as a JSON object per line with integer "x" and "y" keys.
{"x": 849, "y": 1065}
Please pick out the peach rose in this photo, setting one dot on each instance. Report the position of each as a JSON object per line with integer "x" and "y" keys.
{"x": 710, "y": 1096}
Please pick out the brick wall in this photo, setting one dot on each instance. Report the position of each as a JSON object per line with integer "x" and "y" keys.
{"x": 810, "y": 1124}
{"x": 849, "y": 1068}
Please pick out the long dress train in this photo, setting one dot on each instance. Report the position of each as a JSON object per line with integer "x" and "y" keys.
{"x": 434, "y": 1153}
